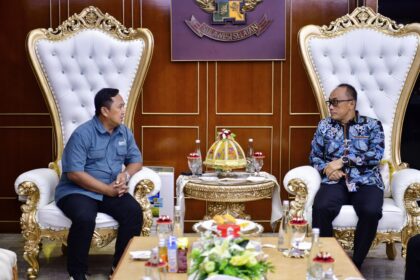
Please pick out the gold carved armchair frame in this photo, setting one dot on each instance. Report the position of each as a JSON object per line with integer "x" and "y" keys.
{"x": 90, "y": 18}
{"x": 364, "y": 18}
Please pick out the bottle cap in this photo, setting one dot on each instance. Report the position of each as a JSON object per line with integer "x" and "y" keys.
{"x": 197, "y": 141}
{"x": 250, "y": 140}
{"x": 285, "y": 202}
{"x": 315, "y": 230}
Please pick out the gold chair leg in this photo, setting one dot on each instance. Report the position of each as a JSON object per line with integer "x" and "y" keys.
{"x": 31, "y": 257}
{"x": 391, "y": 252}
{"x": 143, "y": 188}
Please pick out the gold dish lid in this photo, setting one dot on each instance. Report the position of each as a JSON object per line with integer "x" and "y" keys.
{"x": 225, "y": 153}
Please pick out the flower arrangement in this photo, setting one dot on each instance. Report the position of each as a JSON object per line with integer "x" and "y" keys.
{"x": 225, "y": 134}
{"x": 235, "y": 257}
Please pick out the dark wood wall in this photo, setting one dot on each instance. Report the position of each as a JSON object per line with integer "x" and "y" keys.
{"x": 271, "y": 102}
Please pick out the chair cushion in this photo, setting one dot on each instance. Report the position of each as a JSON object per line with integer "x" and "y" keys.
{"x": 392, "y": 219}
{"x": 8, "y": 260}
{"x": 50, "y": 216}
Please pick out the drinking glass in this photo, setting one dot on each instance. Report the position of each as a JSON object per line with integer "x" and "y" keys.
{"x": 194, "y": 165}
{"x": 258, "y": 162}
{"x": 298, "y": 233}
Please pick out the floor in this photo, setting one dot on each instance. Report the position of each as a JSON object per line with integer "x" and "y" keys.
{"x": 52, "y": 262}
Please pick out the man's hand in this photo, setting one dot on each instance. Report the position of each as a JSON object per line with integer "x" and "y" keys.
{"x": 334, "y": 167}
{"x": 336, "y": 175}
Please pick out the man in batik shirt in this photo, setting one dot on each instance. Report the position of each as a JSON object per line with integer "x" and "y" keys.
{"x": 346, "y": 150}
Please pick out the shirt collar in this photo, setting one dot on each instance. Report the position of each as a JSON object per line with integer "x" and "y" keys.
{"x": 100, "y": 127}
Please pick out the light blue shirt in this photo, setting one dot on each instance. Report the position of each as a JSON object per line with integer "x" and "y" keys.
{"x": 93, "y": 150}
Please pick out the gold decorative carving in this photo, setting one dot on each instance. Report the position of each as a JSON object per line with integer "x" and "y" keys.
{"x": 298, "y": 188}
{"x": 30, "y": 229}
{"x": 228, "y": 193}
{"x": 142, "y": 189}
{"x": 224, "y": 199}
{"x": 361, "y": 17}
{"x": 237, "y": 210}
{"x": 90, "y": 17}
{"x": 209, "y": 5}
{"x": 411, "y": 195}
{"x": 346, "y": 239}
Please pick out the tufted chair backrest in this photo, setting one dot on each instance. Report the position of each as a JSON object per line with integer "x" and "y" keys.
{"x": 378, "y": 57}
{"x": 89, "y": 51}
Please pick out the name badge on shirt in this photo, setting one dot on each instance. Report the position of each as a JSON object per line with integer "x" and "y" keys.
{"x": 121, "y": 143}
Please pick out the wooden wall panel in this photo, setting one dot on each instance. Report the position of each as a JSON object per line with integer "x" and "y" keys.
{"x": 173, "y": 87}
{"x": 271, "y": 102}
{"x": 244, "y": 88}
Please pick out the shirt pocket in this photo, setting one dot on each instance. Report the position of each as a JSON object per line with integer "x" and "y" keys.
{"x": 96, "y": 154}
{"x": 361, "y": 143}
{"x": 121, "y": 152}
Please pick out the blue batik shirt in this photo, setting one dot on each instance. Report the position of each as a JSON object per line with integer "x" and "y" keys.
{"x": 362, "y": 140}
{"x": 92, "y": 149}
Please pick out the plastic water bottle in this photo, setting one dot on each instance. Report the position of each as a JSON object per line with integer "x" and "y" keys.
{"x": 178, "y": 227}
{"x": 249, "y": 155}
{"x": 284, "y": 231}
{"x": 314, "y": 269}
{"x": 198, "y": 151}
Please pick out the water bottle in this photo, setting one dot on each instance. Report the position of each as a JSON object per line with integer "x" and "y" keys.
{"x": 178, "y": 228}
{"x": 198, "y": 151}
{"x": 314, "y": 269}
{"x": 284, "y": 231}
{"x": 249, "y": 155}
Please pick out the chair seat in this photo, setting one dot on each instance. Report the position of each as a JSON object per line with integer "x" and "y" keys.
{"x": 50, "y": 216}
{"x": 392, "y": 217}
{"x": 8, "y": 262}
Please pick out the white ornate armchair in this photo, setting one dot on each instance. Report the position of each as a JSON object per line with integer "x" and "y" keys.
{"x": 381, "y": 59}
{"x": 87, "y": 52}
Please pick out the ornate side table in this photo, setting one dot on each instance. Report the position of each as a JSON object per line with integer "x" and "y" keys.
{"x": 228, "y": 197}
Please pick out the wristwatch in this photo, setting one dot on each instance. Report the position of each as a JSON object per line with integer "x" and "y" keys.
{"x": 127, "y": 176}
{"x": 345, "y": 160}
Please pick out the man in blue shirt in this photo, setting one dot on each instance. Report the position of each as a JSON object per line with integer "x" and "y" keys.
{"x": 93, "y": 180}
{"x": 346, "y": 150}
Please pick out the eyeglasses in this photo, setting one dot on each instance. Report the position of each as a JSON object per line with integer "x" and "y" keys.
{"x": 335, "y": 102}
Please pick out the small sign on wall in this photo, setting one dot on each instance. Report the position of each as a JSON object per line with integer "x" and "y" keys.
{"x": 228, "y": 30}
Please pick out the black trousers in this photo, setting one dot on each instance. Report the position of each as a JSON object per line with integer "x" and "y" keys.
{"x": 367, "y": 203}
{"x": 412, "y": 261}
{"x": 82, "y": 211}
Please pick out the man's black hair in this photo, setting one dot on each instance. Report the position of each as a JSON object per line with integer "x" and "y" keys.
{"x": 351, "y": 91}
{"x": 104, "y": 99}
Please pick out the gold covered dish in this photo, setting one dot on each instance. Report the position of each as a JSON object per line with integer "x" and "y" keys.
{"x": 225, "y": 153}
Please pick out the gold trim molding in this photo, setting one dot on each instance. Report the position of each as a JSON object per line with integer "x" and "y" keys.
{"x": 362, "y": 17}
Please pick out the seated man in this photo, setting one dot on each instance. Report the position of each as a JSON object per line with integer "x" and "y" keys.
{"x": 93, "y": 180}
{"x": 347, "y": 149}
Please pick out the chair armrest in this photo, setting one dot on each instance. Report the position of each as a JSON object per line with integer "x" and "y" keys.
{"x": 401, "y": 180}
{"x": 304, "y": 182}
{"x": 145, "y": 173}
{"x": 41, "y": 180}
{"x": 145, "y": 183}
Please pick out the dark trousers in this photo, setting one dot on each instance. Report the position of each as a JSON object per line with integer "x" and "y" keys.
{"x": 82, "y": 211}
{"x": 412, "y": 261}
{"x": 367, "y": 203}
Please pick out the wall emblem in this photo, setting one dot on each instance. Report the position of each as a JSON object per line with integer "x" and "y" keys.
{"x": 227, "y": 29}
{"x": 226, "y": 12}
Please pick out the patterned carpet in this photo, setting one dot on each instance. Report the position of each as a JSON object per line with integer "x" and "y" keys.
{"x": 376, "y": 266}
